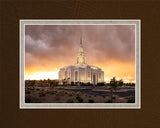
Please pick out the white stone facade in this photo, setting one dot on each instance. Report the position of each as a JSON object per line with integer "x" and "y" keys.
{"x": 81, "y": 72}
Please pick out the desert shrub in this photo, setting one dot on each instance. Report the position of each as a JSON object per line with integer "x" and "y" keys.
{"x": 57, "y": 84}
{"x": 27, "y": 100}
{"x": 27, "y": 92}
{"x": 100, "y": 84}
{"x": 131, "y": 100}
{"x": 113, "y": 97}
{"x": 82, "y": 84}
{"x": 90, "y": 96}
{"x": 108, "y": 101}
{"x": 66, "y": 92}
{"x": 41, "y": 94}
{"x": 60, "y": 93}
{"x": 72, "y": 83}
{"x": 37, "y": 89}
{"x": 70, "y": 94}
{"x": 78, "y": 93}
{"x": 70, "y": 101}
{"x": 36, "y": 101}
{"x": 57, "y": 94}
{"x": 52, "y": 92}
{"x": 47, "y": 91}
{"x": 94, "y": 95}
{"x": 86, "y": 95}
{"x": 90, "y": 101}
{"x": 88, "y": 84}
{"x": 104, "y": 96}
{"x": 76, "y": 83}
{"x": 80, "y": 100}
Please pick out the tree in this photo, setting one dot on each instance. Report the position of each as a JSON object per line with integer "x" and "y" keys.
{"x": 53, "y": 83}
{"x": 68, "y": 80}
{"x": 113, "y": 85}
{"x": 72, "y": 83}
{"x": 120, "y": 82}
{"x": 49, "y": 82}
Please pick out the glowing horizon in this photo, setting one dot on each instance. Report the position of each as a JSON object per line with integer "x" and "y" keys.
{"x": 54, "y": 76}
{"x": 112, "y": 72}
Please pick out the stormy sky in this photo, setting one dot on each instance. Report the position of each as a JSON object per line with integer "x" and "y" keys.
{"x": 111, "y": 47}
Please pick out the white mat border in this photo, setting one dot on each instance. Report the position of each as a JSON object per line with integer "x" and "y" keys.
{"x": 23, "y": 105}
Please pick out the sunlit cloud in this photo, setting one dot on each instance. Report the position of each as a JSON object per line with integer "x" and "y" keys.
{"x": 110, "y": 47}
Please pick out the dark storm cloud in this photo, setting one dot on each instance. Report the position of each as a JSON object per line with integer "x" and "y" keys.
{"x": 60, "y": 42}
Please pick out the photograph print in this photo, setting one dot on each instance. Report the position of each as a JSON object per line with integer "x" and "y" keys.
{"x": 79, "y": 64}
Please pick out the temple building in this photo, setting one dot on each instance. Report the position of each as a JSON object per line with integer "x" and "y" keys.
{"x": 81, "y": 71}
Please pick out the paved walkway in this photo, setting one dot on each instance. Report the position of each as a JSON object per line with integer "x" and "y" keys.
{"x": 99, "y": 91}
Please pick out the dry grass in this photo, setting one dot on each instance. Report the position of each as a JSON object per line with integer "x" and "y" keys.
{"x": 62, "y": 96}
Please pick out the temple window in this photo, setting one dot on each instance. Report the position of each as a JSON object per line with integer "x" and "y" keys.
{"x": 76, "y": 75}
{"x": 65, "y": 74}
{"x": 99, "y": 75}
{"x": 88, "y": 74}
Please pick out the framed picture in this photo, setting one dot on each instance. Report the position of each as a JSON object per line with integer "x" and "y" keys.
{"x": 80, "y": 64}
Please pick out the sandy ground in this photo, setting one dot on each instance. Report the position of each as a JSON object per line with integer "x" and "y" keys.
{"x": 63, "y": 94}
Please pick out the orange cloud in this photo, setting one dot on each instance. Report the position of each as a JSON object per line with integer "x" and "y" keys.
{"x": 110, "y": 47}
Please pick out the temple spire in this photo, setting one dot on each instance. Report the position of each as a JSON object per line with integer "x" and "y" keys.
{"x": 81, "y": 56}
{"x": 81, "y": 41}
{"x": 81, "y": 48}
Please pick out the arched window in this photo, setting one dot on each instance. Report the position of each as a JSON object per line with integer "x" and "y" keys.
{"x": 68, "y": 74}
{"x": 99, "y": 75}
{"x": 65, "y": 74}
{"x": 88, "y": 74}
{"x": 76, "y": 76}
